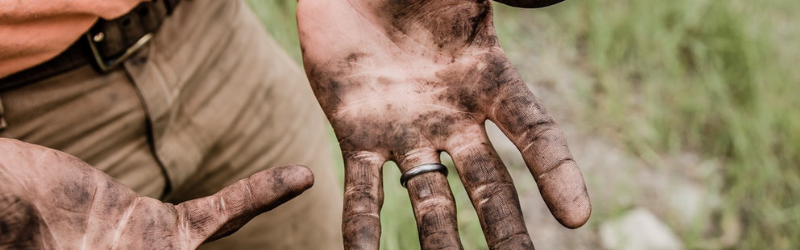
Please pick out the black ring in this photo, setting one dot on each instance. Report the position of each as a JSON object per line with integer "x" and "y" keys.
{"x": 421, "y": 169}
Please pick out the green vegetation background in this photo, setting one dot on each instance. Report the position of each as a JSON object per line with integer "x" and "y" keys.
{"x": 716, "y": 77}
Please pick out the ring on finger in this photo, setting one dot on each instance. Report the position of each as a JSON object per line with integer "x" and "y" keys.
{"x": 421, "y": 169}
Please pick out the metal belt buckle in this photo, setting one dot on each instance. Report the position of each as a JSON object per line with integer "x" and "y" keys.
{"x": 106, "y": 65}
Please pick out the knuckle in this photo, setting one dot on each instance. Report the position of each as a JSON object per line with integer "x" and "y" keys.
{"x": 485, "y": 193}
{"x": 362, "y": 199}
{"x": 555, "y": 166}
{"x": 434, "y": 204}
{"x": 543, "y": 130}
{"x": 356, "y": 218}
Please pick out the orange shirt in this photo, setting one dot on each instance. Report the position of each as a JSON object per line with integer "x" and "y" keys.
{"x": 34, "y": 31}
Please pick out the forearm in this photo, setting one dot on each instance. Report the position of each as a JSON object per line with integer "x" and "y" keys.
{"x": 12, "y": 11}
{"x": 26, "y": 44}
{"x": 34, "y": 31}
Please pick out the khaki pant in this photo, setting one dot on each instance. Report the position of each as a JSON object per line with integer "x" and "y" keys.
{"x": 211, "y": 100}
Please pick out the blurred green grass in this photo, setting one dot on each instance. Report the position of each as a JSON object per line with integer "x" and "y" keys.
{"x": 705, "y": 76}
{"x": 708, "y": 76}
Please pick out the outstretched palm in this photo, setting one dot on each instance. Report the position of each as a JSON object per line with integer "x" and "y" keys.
{"x": 405, "y": 80}
{"x": 51, "y": 200}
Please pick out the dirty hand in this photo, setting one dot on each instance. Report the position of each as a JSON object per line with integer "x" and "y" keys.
{"x": 51, "y": 200}
{"x": 406, "y": 80}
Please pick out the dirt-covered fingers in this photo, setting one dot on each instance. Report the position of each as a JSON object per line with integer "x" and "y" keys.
{"x": 432, "y": 201}
{"x": 363, "y": 199}
{"x": 543, "y": 146}
{"x": 492, "y": 193}
{"x": 223, "y": 213}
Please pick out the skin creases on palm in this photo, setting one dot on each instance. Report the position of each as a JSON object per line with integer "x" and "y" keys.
{"x": 431, "y": 76}
{"x": 403, "y": 80}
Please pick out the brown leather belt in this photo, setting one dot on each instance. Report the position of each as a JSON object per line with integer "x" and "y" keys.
{"x": 105, "y": 46}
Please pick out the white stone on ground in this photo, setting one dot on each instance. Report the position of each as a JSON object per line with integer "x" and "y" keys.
{"x": 638, "y": 229}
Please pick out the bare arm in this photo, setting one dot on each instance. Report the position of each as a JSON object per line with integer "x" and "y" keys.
{"x": 33, "y": 31}
{"x": 12, "y": 11}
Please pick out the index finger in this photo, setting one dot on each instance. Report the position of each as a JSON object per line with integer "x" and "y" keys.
{"x": 518, "y": 113}
{"x": 219, "y": 215}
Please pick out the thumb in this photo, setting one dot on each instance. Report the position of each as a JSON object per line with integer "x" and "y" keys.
{"x": 213, "y": 217}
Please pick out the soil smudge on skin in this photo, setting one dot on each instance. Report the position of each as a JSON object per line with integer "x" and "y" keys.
{"x": 19, "y": 224}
